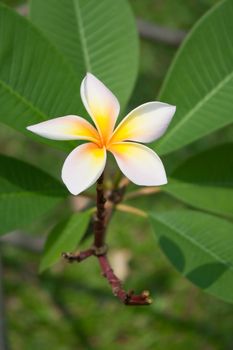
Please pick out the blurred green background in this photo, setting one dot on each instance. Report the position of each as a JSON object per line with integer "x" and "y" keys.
{"x": 71, "y": 306}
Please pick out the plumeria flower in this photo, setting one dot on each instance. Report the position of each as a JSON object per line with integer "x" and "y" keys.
{"x": 85, "y": 163}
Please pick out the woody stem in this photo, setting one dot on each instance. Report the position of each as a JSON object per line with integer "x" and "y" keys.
{"x": 99, "y": 224}
{"x": 99, "y": 249}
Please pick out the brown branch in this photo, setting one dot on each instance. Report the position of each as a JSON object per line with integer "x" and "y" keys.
{"x": 99, "y": 224}
{"x": 161, "y": 34}
{"x": 128, "y": 298}
{"x": 104, "y": 210}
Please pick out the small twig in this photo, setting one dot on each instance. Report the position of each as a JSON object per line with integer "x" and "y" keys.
{"x": 78, "y": 256}
{"x": 145, "y": 191}
{"x": 132, "y": 210}
{"x": 162, "y": 34}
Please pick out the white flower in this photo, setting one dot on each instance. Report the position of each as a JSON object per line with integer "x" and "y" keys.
{"x": 85, "y": 163}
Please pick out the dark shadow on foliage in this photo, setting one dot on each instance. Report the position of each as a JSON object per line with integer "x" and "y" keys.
{"x": 205, "y": 275}
{"x": 173, "y": 252}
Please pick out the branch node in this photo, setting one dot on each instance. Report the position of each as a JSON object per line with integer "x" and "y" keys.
{"x": 98, "y": 251}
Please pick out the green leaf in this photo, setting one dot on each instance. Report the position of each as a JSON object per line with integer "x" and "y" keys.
{"x": 36, "y": 83}
{"x": 95, "y": 36}
{"x": 200, "y": 80}
{"x": 26, "y": 193}
{"x": 64, "y": 237}
{"x": 200, "y": 246}
{"x": 206, "y": 180}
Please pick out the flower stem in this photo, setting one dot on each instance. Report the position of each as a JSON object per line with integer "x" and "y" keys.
{"x": 99, "y": 224}
{"x": 104, "y": 210}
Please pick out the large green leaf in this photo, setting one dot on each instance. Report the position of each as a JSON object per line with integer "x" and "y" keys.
{"x": 36, "y": 83}
{"x": 64, "y": 238}
{"x": 26, "y": 193}
{"x": 200, "y": 80}
{"x": 200, "y": 246}
{"x": 95, "y": 36}
{"x": 206, "y": 180}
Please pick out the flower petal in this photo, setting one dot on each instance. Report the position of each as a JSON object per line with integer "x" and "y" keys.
{"x": 83, "y": 167}
{"x": 70, "y": 127}
{"x": 139, "y": 163}
{"x": 101, "y": 104}
{"x": 145, "y": 123}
